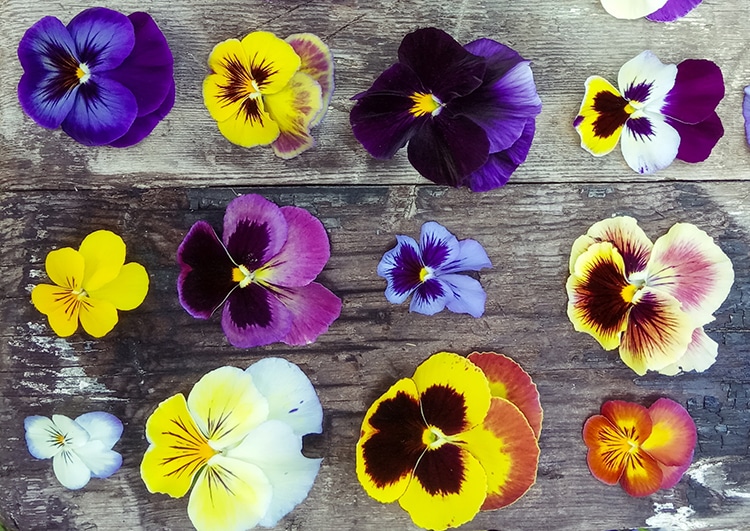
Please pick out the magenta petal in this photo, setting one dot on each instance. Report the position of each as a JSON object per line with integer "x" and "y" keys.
{"x": 698, "y": 89}
{"x": 205, "y": 271}
{"x": 254, "y": 230}
{"x": 103, "y": 37}
{"x": 671, "y": 475}
{"x": 673, "y": 10}
{"x": 254, "y": 316}
{"x": 305, "y": 252}
{"x": 143, "y": 125}
{"x": 313, "y": 308}
{"x": 697, "y": 140}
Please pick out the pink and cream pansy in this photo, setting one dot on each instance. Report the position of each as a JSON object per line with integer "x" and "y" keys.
{"x": 660, "y": 112}
{"x": 651, "y": 300}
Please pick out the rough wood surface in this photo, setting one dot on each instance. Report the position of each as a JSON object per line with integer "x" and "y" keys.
{"x": 53, "y": 192}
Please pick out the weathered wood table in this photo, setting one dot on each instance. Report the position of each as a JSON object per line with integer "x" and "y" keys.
{"x": 53, "y": 192}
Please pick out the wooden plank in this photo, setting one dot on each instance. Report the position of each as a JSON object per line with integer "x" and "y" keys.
{"x": 566, "y": 41}
{"x": 158, "y": 349}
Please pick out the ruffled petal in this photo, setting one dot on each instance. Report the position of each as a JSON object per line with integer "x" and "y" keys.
{"x": 601, "y": 117}
{"x": 103, "y": 38}
{"x": 316, "y": 62}
{"x": 277, "y": 451}
{"x": 506, "y": 447}
{"x": 671, "y": 11}
{"x": 430, "y": 297}
{"x": 673, "y": 435}
{"x": 255, "y": 230}
{"x": 468, "y": 296}
{"x": 644, "y": 80}
{"x": 254, "y": 316}
{"x": 226, "y": 406}
{"x": 304, "y": 253}
{"x": 98, "y": 317}
{"x": 631, "y": 9}
{"x": 313, "y": 308}
{"x": 688, "y": 265}
{"x": 70, "y": 470}
{"x": 698, "y": 140}
{"x": 658, "y": 332}
{"x": 101, "y": 426}
{"x": 60, "y": 306}
{"x": 100, "y": 460}
{"x": 390, "y": 444}
{"x": 104, "y": 255}
{"x": 230, "y": 495}
{"x": 500, "y": 166}
{"x": 401, "y": 267}
{"x": 700, "y": 355}
{"x": 127, "y": 291}
{"x": 293, "y": 109}
{"x": 698, "y": 89}
{"x": 649, "y": 143}
{"x": 290, "y": 394}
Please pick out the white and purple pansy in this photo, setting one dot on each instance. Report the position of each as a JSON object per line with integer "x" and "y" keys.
{"x": 261, "y": 272}
{"x": 662, "y": 112}
{"x": 80, "y": 449}
{"x": 429, "y": 270}
{"x": 106, "y": 78}
{"x": 655, "y": 10}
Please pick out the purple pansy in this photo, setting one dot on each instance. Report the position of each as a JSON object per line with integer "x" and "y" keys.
{"x": 106, "y": 78}
{"x": 467, "y": 112}
{"x": 673, "y": 10}
{"x": 428, "y": 269}
{"x": 261, "y": 271}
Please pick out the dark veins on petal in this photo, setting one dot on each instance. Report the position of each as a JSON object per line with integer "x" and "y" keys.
{"x": 441, "y": 471}
{"x": 405, "y": 275}
{"x": 249, "y": 306}
{"x": 430, "y": 290}
{"x": 640, "y": 127}
{"x": 639, "y": 92}
{"x": 261, "y": 71}
{"x": 444, "y": 408}
{"x": 651, "y": 326}
{"x": 249, "y": 243}
{"x": 602, "y": 297}
{"x": 434, "y": 252}
{"x": 394, "y": 450}
{"x": 65, "y": 79}
{"x": 612, "y": 113}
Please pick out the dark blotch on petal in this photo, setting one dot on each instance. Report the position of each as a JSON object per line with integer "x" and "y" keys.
{"x": 639, "y": 92}
{"x": 248, "y": 244}
{"x": 405, "y": 275}
{"x": 394, "y": 450}
{"x": 249, "y": 306}
{"x": 602, "y": 297}
{"x": 612, "y": 114}
{"x": 444, "y": 408}
{"x": 441, "y": 471}
{"x": 435, "y": 251}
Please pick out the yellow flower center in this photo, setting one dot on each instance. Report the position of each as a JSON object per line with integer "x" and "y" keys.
{"x": 628, "y": 292}
{"x": 433, "y": 438}
{"x": 424, "y": 274}
{"x": 425, "y": 104}
{"x": 204, "y": 452}
{"x": 83, "y": 73}
{"x": 59, "y": 439}
{"x": 242, "y": 275}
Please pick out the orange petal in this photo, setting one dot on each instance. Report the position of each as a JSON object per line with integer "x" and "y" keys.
{"x": 509, "y": 381}
{"x": 673, "y": 436}
{"x": 643, "y": 475}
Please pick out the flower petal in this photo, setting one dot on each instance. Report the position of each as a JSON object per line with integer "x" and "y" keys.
{"x": 438, "y": 248}
{"x": 453, "y": 392}
{"x": 645, "y": 81}
{"x": 401, "y": 267}
{"x": 642, "y": 476}
{"x": 746, "y": 112}
{"x": 143, "y": 125}
{"x": 649, "y": 143}
{"x": 47, "y": 437}
{"x": 698, "y": 89}
{"x": 658, "y": 332}
{"x": 699, "y": 356}
{"x": 304, "y": 253}
{"x": 272, "y": 61}
{"x": 98, "y": 317}
{"x": 230, "y": 495}
{"x": 697, "y": 140}
{"x": 101, "y": 426}
{"x": 671, "y": 475}
{"x": 223, "y": 94}
{"x": 70, "y": 471}
{"x": 205, "y": 278}
{"x": 104, "y": 255}
{"x": 390, "y": 443}
{"x": 316, "y": 62}
{"x": 430, "y": 297}
{"x": 468, "y": 296}
{"x": 447, "y": 490}
{"x": 500, "y": 166}
{"x": 255, "y": 230}
{"x": 277, "y": 451}
{"x": 673, "y": 435}
{"x": 631, "y": 9}
{"x": 293, "y": 109}
{"x": 313, "y": 309}
{"x": 127, "y": 290}
{"x": 671, "y": 11}
{"x": 60, "y": 306}
{"x": 688, "y": 265}
{"x": 291, "y": 397}
{"x": 471, "y": 257}
{"x": 226, "y": 405}
{"x": 65, "y": 267}
{"x": 254, "y": 316}
{"x": 601, "y": 116}
{"x": 598, "y": 294}
{"x": 507, "y": 449}
{"x": 250, "y": 125}
{"x": 103, "y": 37}
{"x": 509, "y": 381}
{"x": 100, "y": 460}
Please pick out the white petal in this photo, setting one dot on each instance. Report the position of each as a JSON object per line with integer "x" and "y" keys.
{"x": 101, "y": 426}
{"x": 700, "y": 355}
{"x": 291, "y": 397}
{"x": 41, "y": 437}
{"x": 102, "y": 461}
{"x": 649, "y": 143}
{"x": 645, "y": 81}
{"x": 70, "y": 470}
{"x": 277, "y": 451}
{"x": 630, "y": 9}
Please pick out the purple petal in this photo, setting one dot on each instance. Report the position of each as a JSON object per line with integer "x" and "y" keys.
{"x": 500, "y": 58}
{"x": 430, "y": 297}
{"x": 305, "y": 252}
{"x": 471, "y": 257}
{"x": 673, "y": 10}
{"x": 698, "y": 89}
{"x": 103, "y": 111}
{"x": 147, "y": 71}
{"x": 468, "y": 295}
{"x": 448, "y": 149}
{"x": 500, "y": 166}
{"x": 253, "y": 316}
{"x": 103, "y": 38}
{"x": 697, "y": 140}
{"x": 313, "y": 308}
{"x": 443, "y": 66}
{"x": 401, "y": 267}
{"x": 143, "y": 125}
{"x": 45, "y": 99}
{"x": 437, "y": 246}
{"x": 381, "y": 120}
{"x": 254, "y": 230}
{"x": 43, "y": 45}
{"x": 746, "y": 112}
{"x": 205, "y": 271}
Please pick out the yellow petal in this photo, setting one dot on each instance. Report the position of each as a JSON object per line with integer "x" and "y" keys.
{"x": 230, "y": 495}
{"x": 317, "y": 62}
{"x": 226, "y": 405}
{"x": 98, "y": 317}
{"x": 251, "y": 125}
{"x": 601, "y": 117}
{"x": 65, "y": 267}
{"x": 128, "y": 290}
{"x": 104, "y": 254}
{"x": 272, "y": 61}
{"x": 230, "y": 81}
{"x": 625, "y": 234}
{"x": 60, "y": 305}
{"x": 177, "y": 451}
{"x": 293, "y": 109}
